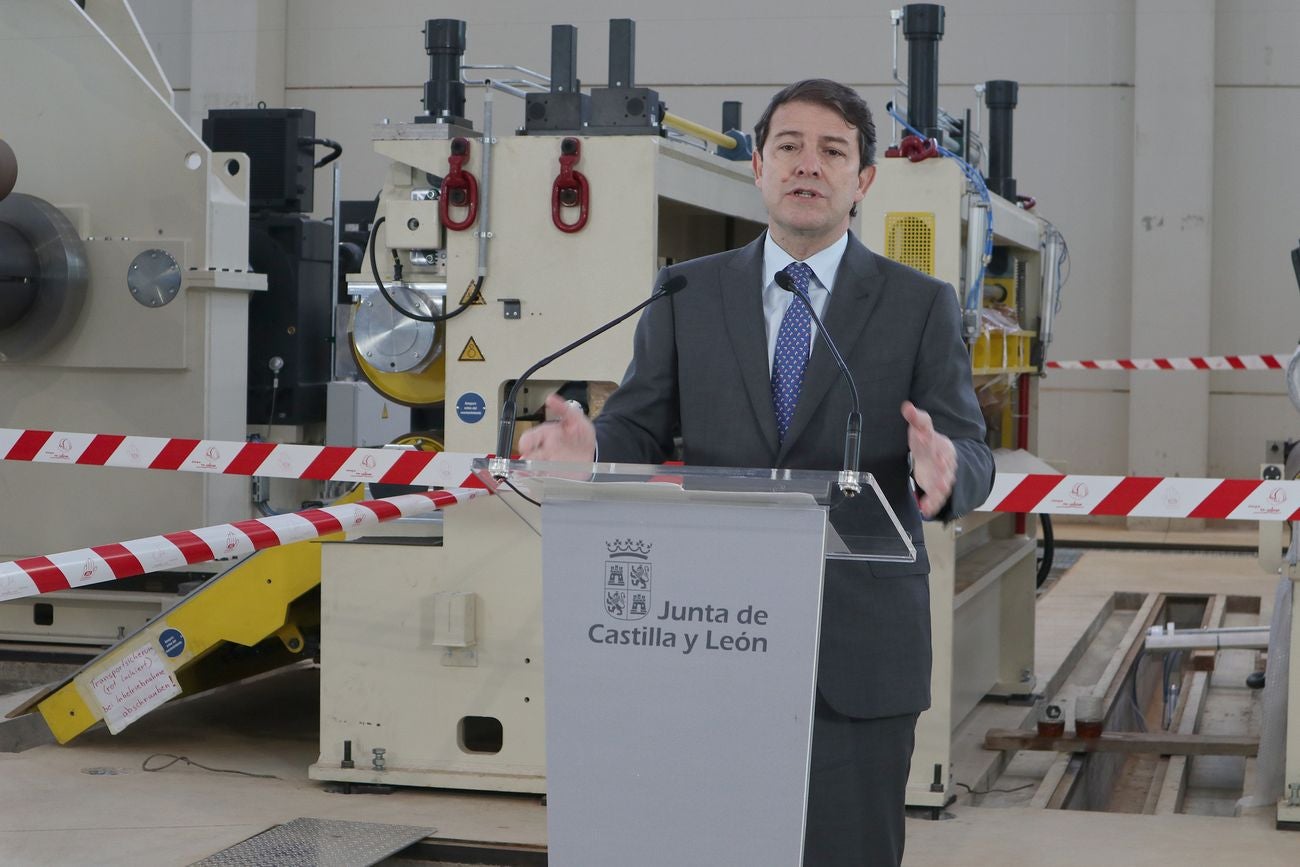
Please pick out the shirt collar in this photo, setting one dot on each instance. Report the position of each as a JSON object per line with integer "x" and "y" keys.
{"x": 824, "y": 264}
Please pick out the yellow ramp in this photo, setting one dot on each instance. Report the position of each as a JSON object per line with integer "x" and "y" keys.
{"x": 271, "y": 595}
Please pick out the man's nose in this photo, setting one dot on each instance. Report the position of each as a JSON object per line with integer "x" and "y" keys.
{"x": 809, "y": 165}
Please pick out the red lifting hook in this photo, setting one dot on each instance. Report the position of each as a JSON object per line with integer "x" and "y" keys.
{"x": 918, "y": 149}
{"x": 570, "y": 189}
{"x": 459, "y": 189}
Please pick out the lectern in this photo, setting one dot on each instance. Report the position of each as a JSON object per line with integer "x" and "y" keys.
{"x": 680, "y": 615}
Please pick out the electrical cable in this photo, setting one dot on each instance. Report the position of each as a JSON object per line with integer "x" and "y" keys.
{"x": 275, "y": 388}
{"x": 326, "y": 142}
{"x": 144, "y": 766}
{"x": 1000, "y": 791}
{"x": 383, "y": 290}
{"x": 1049, "y": 549}
{"x": 1172, "y": 661}
{"x": 974, "y": 292}
{"x": 509, "y": 484}
{"x": 1133, "y": 688}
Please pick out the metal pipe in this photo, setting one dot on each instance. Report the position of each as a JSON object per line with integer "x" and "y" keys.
{"x": 503, "y": 86}
{"x": 1001, "y": 96}
{"x": 923, "y": 28}
{"x": 688, "y": 140}
{"x": 543, "y": 78}
{"x": 690, "y": 127}
{"x": 1051, "y": 268}
{"x": 1199, "y": 639}
{"x": 444, "y": 92}
{"x": 977, "y": 229}
{"x": 334, "y": 274}
{"x": 485, "y": 186}
{"x": 900, "y": 86}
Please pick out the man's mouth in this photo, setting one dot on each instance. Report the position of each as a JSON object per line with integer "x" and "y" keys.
{"x": 804, "y": 194}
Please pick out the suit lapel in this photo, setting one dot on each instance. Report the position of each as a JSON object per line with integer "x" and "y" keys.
{"x": 856, "y": 293}
{"x": 742, "y": 300}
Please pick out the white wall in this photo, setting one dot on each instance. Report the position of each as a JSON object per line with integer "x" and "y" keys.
{"x": 166, "y": 25}
{"x": 356, "y": 63}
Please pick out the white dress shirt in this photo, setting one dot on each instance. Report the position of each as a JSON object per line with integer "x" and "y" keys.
{"x": 824, "y": 266}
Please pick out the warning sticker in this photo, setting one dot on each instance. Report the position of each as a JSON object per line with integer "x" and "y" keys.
{"x": 471, "y": 352}
{"x": 479, "y": 300}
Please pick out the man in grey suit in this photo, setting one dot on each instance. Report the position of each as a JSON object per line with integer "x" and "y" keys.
{"x": 731, "y": 367}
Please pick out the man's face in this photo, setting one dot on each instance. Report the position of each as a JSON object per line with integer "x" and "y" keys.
{"x": 809, "y": 173}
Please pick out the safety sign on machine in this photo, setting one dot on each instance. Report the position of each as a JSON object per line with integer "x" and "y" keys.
{"x": 470, "y": 407}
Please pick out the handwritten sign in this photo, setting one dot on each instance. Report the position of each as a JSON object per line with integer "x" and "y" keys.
{"x": 132, "y": 686}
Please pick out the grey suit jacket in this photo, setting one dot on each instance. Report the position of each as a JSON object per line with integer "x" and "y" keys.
{"x": 700, "y": 371}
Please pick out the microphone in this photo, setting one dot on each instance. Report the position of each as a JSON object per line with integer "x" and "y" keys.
{"x": 499, "y": 465}
{"x": 850, "y": 477}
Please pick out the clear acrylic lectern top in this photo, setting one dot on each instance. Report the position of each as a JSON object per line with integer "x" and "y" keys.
{"x": 862, "y": 527}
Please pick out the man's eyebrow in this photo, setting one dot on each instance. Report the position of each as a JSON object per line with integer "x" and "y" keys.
{"x": 825, "y": 139}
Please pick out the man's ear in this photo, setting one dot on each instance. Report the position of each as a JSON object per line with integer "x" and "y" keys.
{"x": 756, "y": 162}
{"x": 865, "y": 177}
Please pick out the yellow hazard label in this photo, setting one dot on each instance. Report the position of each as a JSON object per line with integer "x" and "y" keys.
{"x": 479, "y": 300}
{"x": 471, "y": 352}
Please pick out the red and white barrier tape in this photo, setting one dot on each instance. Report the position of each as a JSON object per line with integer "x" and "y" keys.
{"x": 280, "y": 461}
{"x": 1145, "y": 497}
{"x": 1198, "y": 362}
{"x": 35, "y": 575}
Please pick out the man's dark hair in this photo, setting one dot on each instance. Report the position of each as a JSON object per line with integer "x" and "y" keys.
{"x": 839, "y": 98}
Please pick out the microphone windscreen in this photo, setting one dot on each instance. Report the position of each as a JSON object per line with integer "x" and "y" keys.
{"x": 785, "y": 281}
{"x": 673, "y": 285}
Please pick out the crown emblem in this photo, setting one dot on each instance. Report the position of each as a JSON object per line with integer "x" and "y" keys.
{"x": 629, "y": 548}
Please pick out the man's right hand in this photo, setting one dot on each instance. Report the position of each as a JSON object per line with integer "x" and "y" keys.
{"x": 566, "y": 436}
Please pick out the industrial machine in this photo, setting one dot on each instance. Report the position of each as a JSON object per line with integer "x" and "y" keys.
{"x": 125, "y": 250}
{"x": 432, "y": 653}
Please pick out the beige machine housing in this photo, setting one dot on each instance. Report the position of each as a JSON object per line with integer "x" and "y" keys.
{"x": 88, "y": 113}
{"x": 433, "y": 654}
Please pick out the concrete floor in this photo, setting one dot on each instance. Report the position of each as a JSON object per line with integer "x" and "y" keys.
{"x": 57, "y": 812}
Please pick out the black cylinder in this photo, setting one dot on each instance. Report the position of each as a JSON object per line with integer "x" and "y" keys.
{"x": 19, "y": 272}
{"x": 731, "y": 115}
{"x": 1001, "y": 97}
{"x": 444, "y": 92}
{"x": 923, "y": 28}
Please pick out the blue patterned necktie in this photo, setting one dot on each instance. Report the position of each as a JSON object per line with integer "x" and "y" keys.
{"x": 791, "y": 357}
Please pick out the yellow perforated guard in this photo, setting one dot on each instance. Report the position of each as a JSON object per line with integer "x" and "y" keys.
{"x": 909, "y": 239}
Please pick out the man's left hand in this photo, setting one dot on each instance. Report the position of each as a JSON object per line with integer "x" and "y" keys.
{"x": 934, "y": 460}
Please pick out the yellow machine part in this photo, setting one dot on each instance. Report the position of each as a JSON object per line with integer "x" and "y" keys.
{"x": 425, "y": 388}
{"x": 909, "y": 239}
{"x": 260, "y": 598}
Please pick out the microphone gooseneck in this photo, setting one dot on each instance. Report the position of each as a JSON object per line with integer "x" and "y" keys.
{"x": 850, "y": 477}
{"x": 506, "y": 424}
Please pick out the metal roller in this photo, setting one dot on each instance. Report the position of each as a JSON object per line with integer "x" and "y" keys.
{"x": 8, "y": 169}
{"x": 43, "y": 275}
{"x": 402, "y": 358}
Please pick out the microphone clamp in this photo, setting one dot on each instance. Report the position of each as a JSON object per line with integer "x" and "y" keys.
{"x": 499, "y": 467}
{"x": 850, "y": 482}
